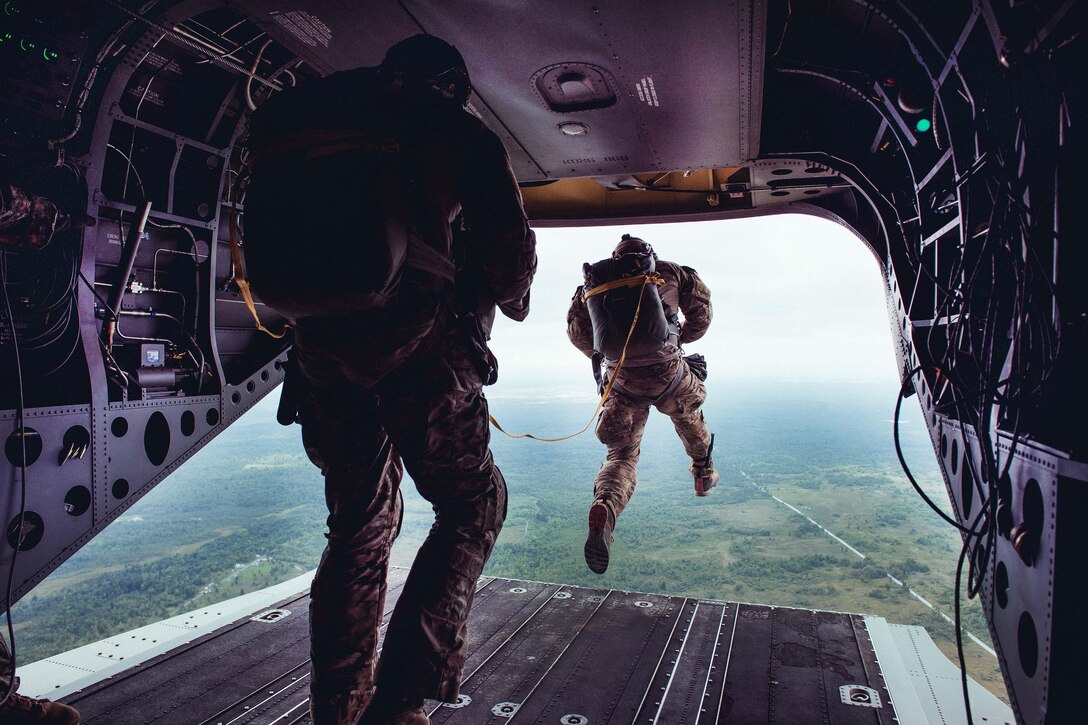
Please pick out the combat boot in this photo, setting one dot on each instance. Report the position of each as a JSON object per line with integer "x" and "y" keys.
{"x": 339, "y": 707}
{"x": 599, "y": 541}
{"x": 412, "y": 716}
{"x": 706, "y": 478}
{"x": 23, "y": 710}
{"x": 702, "y": 469}
{"x": 399, "y": 710}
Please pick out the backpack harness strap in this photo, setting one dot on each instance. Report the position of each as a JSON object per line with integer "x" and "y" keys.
{"x": 426, "y": 258}
{"x": 635, "y": 281}
{"x": 314, "y": 143}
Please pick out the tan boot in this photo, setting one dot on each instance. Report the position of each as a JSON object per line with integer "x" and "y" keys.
{"x": 22, "y": 710}
{"x": 337, "y": 710}
{"x": 706, "y": 478}
{"x": 702, "y": 469}
{"x": 599, "y": 540}
{"x": 395, "y": 711}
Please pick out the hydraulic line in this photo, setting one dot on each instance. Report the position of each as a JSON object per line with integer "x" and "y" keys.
{"x": 128, "y": 260}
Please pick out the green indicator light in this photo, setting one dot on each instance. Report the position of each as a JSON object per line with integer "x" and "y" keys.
{"x": 50, "y": 54}
{"x": 923, "y": 125}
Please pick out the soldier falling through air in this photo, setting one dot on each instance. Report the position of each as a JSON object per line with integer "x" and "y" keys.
{"x": 602, "y": 323}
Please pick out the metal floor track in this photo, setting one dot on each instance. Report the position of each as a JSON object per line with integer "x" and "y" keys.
{"x": 541, "y": 653}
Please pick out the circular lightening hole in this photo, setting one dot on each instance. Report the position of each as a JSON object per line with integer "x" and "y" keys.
{"x": 77, "y": 500}
{"x": 188, "y": 423}
{"x": 26, "y": 532}
{"x": 23, "y": 447}
{"x": 967, "y": 487}
{"x": 1001, "y": 585}
{"x": 157, "y": 439}
{"x": 1027, "y": 641}
{"x": 119, "y": 488}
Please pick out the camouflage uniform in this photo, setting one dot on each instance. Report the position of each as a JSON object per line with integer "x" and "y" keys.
{"x": 26, "y": 219}
{"x": 644, "y": 380}
{"x": 5, "y": 666}
{"x": 400, "y": 387}
{"x": 431, "y": 413}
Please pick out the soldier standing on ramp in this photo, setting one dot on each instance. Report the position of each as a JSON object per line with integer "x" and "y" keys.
{"x": 602, "y": 323}
{"x": 357, "y": 178}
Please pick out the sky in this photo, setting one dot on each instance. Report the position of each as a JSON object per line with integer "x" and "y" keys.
{"x": 797, "y": 299}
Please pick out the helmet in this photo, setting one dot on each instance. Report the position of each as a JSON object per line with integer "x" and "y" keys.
{"x": 632, "y": 245}
{"x": 427, "y": 59}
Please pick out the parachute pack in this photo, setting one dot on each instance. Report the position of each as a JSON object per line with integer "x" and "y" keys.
{"x": 614, "y": 289}
{"x": 329, "y": 231}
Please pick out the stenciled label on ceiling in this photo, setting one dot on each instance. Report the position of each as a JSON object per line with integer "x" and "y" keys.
{"x": 647, "y": 93}
{"x": 305, "y": 26}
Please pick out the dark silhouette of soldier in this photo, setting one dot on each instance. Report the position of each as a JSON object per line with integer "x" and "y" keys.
{"x": 653, "y": 373}
{"x": 384, "y": 221}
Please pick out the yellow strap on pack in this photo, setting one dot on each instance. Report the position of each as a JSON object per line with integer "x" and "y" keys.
{"x": 240, "y": 277}
{"x": 622, "y": 282}
{"x": 654, "y": 278}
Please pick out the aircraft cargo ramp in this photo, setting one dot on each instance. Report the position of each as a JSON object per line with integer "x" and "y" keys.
{"x": 544, "y": 653}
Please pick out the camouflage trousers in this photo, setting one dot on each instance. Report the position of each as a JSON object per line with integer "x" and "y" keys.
{"x": 5, "y": 666}
{"x": 623, "y": 420}
{"x": 430, "y": 414}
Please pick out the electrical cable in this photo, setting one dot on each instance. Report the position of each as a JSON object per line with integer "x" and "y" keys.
{"x": 253, "y": 69}
{"x": 957, "y": 614}
{"x": 166, "y": 63}
{"x": 785, "y": 29}
{"x": 131, "y": 167}
{"x": 19, "y": 422}
{"x": 92, "y": 74}
{"x": 972, "y": 538}
{"x": 111, "y": 362}
{"x": 996, "y": 334}
{"x": 180, "y": 38}
{"x": 1003, "y": 283}
{"x": 903, "y": 462}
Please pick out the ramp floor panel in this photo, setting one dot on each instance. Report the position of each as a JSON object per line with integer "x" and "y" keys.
{"x": 540, "y": 653}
